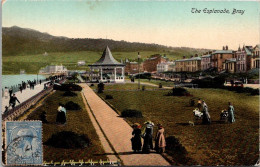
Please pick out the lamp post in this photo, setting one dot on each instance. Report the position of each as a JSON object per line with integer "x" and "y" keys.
{"x": 139, "y": 56}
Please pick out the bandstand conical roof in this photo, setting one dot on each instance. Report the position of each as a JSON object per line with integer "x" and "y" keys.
{"x": 107, "y": 59}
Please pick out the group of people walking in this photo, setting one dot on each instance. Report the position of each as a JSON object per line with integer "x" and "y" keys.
{"x": 147, "y": 136}
{"x": 203, "y": 107}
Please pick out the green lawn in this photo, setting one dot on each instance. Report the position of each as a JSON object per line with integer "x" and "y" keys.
{"x": 77, "y": 121}
{"x": 215, "y": 144}
{"x": 156, "y": 82}
{"x": 32, "y": 63}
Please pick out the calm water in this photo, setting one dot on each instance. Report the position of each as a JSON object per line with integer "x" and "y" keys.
{"x": 11, "y": 80}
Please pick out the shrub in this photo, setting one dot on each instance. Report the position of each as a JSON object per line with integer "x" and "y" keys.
{"x": 243, "y": 90}
{"x": 216, "y": 82}
{"x": 255, "y": 92}
{"x": 69, "y": 93}
{"x": 101, "y": 87}
{"x": 143, "y": 76}
{"x": 132, "y": 113}
{"x": 173, "y": 145}
{"x": 178, "y": 92}
{"x": 248, "y": 90}
{"x": 109, "y": 97}
{"x": 160, "y": 85}
{"x": 68, "y": 140}
{"x": 143, "y": 88}
{"x": 67, "y": 87}
{"x": 177, "y": 151}
{"x": 72, "y": 106}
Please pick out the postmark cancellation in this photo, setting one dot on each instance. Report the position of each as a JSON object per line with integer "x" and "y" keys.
{"x": 24, "y": 143}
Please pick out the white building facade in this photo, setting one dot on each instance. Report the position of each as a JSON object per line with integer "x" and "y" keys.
{"x": 166, "y": 66}
{"x": 54, "y": 69}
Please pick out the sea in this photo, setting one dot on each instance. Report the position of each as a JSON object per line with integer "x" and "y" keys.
{"x": 13, "y": 80}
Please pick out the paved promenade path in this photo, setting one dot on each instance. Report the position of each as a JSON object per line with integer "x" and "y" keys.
{"x": 118, "y": 132}
{"x": 25, "y": 95}
{"x": 255, "y": 86}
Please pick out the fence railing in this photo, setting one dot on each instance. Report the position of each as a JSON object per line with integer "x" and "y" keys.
{"x": 21, "y": 108}
{"x": 81, "y": 163}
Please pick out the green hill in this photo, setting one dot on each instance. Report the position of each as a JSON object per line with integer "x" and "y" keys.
{"x": 18, "y": 40}
{"x": 23, "y": 48}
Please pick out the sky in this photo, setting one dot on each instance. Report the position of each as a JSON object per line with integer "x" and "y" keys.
{"x": 170, "y": 23}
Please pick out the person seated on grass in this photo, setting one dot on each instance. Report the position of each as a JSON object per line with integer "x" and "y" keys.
{"x": 223, "y": 115}
{"x": 197, "y": 113}
{"x": 231, "y": 110}
{"x": 61, "y": 115}
{"x": 206, "y": 116}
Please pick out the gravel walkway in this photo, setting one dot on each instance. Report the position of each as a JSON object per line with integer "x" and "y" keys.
{"x": 118, "y": 132}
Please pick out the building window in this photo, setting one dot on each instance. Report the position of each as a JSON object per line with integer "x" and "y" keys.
{"x": 221, "y": 56}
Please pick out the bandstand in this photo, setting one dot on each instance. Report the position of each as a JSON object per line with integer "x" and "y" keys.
{"x": 107, "y": 69}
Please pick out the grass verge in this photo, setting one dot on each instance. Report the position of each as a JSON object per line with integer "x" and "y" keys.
{"x": 77, "y": 121}
{"x": 215, "y": 144}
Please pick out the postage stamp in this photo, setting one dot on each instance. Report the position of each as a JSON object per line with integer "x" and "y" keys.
{"x": 24, "y": 143}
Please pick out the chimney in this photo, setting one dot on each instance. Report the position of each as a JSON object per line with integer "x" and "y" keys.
{"x": 223, "y": 48}
{"x": 191, "y": 56}
{"x": 184, "y": 57}
{"x": 226, "y": 47}
{"x": 196, "y": 55}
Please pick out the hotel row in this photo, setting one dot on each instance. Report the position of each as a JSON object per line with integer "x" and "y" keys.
{"x": 240, "y": 61}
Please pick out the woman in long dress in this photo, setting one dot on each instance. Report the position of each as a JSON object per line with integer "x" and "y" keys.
{"x": 160, "y": 142}
{"x": 148, "y": 141}
{"x": 206, "y": 116}
{"x": 231, "y": 116}
{"x": 136, "y": 139}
